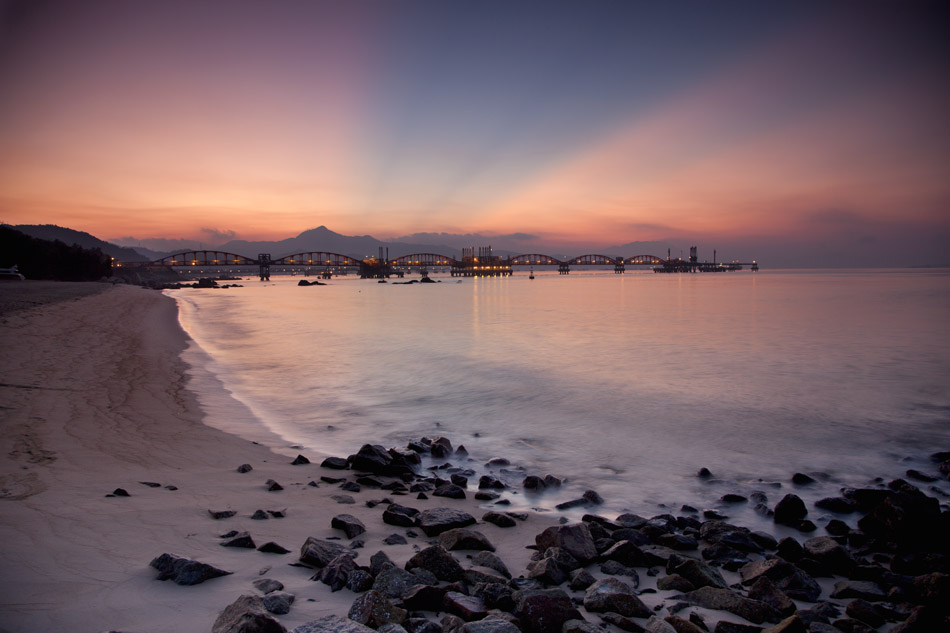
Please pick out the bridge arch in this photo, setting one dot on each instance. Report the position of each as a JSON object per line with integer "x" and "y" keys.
{"x": 535, "y": 259}
{"x": 205, "y": 258}
{"x": 316, "y": 258}
{"x": 592, "y": 260}
{"x": 644, "y": 260}
{"x": 423, "y": 260}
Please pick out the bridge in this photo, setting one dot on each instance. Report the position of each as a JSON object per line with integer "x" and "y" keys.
{"x": 483, "y": 264}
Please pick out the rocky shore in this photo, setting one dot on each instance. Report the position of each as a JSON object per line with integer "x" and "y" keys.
{"x": 123, "y": 511}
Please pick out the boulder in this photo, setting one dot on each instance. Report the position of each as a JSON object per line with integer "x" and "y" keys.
{"x": 371, "y": 458}
{"x": 466, "y": 607}
{"x": 184, "y": 571}
{"x": 544, "y": 610}
{"x": 317, "y": 553}
{"x": 764, "y": 590}
{"x": 246, "y": 615}
{"x": 699, "y": 574}
{"x": 863, "y": 589}
{"x": 546, "y": 571}
{"x": 271, "y": 547}
{"x": 336, "y": 573}
{"x": 278, "y": 602}
{"x": 656, "y": 625}
{"x": 794, "y": 582}
{"x": 499, "y": 519}
{"x": 574, "y": 538}
{"x": 790, "y": 510}
{"x": 728, "y": 600}
{"x": 791, "y": 624}
{"x": 332, "y": 624}
{"x": 439, "y": 561}
{"x": 435, "y": 521}
{"x": 334, "y": 463}
{"x": 268, "y": 585}
{"x": 299, "y": 461}
{"x": 465, "y": 538}
{"x": 393, "y": 582}
{"x": 374, "y": 610}
{"x": 625, "y": 553}
{"x": 491, "y": 624}
{"x": 611, "y": 594}
{"x": 241, "y": 539}
{"x": 492, "y": 561}
{"x": 674, "y": 582}
{"x": 449, "y": 491}
{"x": 830, "y": 554}
{"x": 350, "y": 525}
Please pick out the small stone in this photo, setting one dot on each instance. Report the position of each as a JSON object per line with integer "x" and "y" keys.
{"x": 272, "y": 548}
{"x": 221, "y": 514}
{"x": 350, "y": 525}
{"x": 267, "y": 585}
{"x": 497, "y": 518}
{"x": 299, "y": 461}
{"x": 801, "y": 479}
{"x": 790, "y": 510}
{"x": 183, "y": 571}
{"x": 259, "y": 515}
{"x": 120, "y": 492}
{"x": 395, "y": 539}
{"x": 273, "y": 486}
{"x": 150, "y": 484}
{"x": 245, "y": 468}
{"x": 278, "y": 602}
{"x": 344, "y": 499}
{"x": 247, "y": 613}
{"x": 465, "y": 538}
{"x": 241, "y": 539}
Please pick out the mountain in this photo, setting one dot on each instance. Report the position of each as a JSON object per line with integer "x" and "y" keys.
{"x": 323, "y": 239}
{"x": 51, "y": 232}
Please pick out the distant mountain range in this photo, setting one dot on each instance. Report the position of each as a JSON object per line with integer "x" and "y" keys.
{"x": 323, "y": 239}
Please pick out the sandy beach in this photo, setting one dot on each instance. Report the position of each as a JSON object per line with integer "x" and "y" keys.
{"x": 93, "y": 399}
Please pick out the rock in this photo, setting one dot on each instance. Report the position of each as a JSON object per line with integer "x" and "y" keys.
{"x": 241, "y": 539}
{"x": 246, "y": 615}
{"x": 278, "y": 602}
{"x": 359, "y": 580}
{"x": 351, "y": 486}
{"x": 546, "y": 571}
{"x": 499, "y": 519}
{"x": 544, "y": 610}
{"x": 441, "y": 448}
{"x": 924, "y": 619}
{"x": 119, "y": 492}
{"x": 273, "y": 486}
{"x": 728, "y": 600}
{"x": 683, "y": 626}
{"x": 790, "y": 510}
{"x": 611, "y": 594}
{"x": 245, "y": 468}
{"x": 656, "y": 625}
{"x": 533, "y": 482}
{"x": 487, "y": 559}
{"x": 790, "y": 549}
{"x": 439, "y": 561}
{"x": 332, "y": 624}
{"x": 575, "y": 539}
{"x": 318, "y": 553}
{"x": 334, "y": 463}
{"x": 932, "y": 588}
{"x": 621, "y": 622}
{"x": 491, "y": 624}
{"x": 466, "y": 607}
{"x": 221, "y": 514}
{"x": 336, "y": 573}
{"x": 704, "y": 473}
{"x": 184, "y": 571}
{"x": 393, "y": 582}
{"x": 395, "y": 539}
{"x": 580, "y": 626}
{"x": 699, "y": 574}
{"x": 371, "y": 458}
{"x": 863, "y": 589}
{"x": 801, "y": 479}
{"x": 374, "y": 610}
{"x": 581, "y": 579}
{"x": 350, "y": 525}
{"x": 837, "y": 504}
{"x": 674, "y": 582}
{"x": 830, "y": 554}
{"x": 299, "y": 461}
{"x": 865, "y": 612}
{"x": 435, "y": 521}
{"x": 345, "y": 499}
{"x": 273, "y": 548}
{"x": 268, "y": 585}
{"x": 794, "y": 582}
{"x": 400, "y": 515}
{"x": 791, "y": 624}
{"x": 764, "y": 590}
{"x": 259, "y": 515}
{"x": 450, "y": 491}
{"x": 465, "y": 538}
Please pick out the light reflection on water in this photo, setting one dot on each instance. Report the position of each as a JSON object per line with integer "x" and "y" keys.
{"x": 626, "y": 384}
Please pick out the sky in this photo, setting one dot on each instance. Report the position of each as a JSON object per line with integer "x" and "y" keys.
{"x": 811, "y": 133}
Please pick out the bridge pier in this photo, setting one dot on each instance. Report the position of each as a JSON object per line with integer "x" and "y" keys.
{"x": 263, "y": 261}
{"x": 619, "y": 266}
{"x": 563, "y": 269}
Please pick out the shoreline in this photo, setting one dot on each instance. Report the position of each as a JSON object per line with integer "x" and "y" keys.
{"x": 95, "y": 398}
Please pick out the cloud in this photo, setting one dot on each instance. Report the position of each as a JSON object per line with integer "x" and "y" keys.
{"x": 218, "y": 236}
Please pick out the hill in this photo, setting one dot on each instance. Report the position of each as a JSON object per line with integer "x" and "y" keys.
{"x": 51, "y": 233}
{"x": 51, "y": 259}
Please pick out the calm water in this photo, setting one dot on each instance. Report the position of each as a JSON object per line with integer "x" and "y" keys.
{"x": 625, "y": 384}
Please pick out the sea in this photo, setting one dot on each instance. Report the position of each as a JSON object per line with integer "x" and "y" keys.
{"x": 625, "y": 384}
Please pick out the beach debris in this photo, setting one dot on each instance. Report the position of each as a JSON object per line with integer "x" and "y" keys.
{"x": 246, "y": 615}
{"x": 184, "y": 571}
{"x": 245, "y": 468}
{"x": 221, "y": 514}
{"x": 299, "y": 461}
{"x": 350, "y": 525}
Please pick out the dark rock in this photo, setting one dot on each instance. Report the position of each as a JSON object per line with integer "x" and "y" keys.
{"x": 611, "y": 594}
{"x": 423, "y": 598}
{"x": 728, "y": 600}
{"x": 221, "y": 514}
{"x": 439, "y": 561}
{"x": 734, "y": 498}
{"x": 350, "y": 525}
{"x": 271, "y": 547}
{"x": 459, "y": 480}
{"x": 273, "y": 486}
{"x": 791, "y": 624}
{"x": 245, "y": 468}
{"x": 621, "y": 622}
{"x": 246, "y": 615}
{"x": 830, "y": 554}
{"x": 450, "y": 491}
{"x": 441, "y": 448}
{"x": 299, "y": 461}
{"x": 334, "y": 463}
{"x": 837, "y": 527}
{"x": 919, "y": 476}
{"x": 466, "y": 607}
{"x": 402, "y": 516}
{"x": 351, "y": 486}
{"x": 546, "y": 571}
{"x": 865, "y": 612}
{"x": 332, "y": 624}
{"x": 487, "y": 481}
{"x": 151, "y": 484}
{"x": 259, "y": 515}
{"x": 491, "y": 561}
{"x": 801, "y": 479}
{"x": 704, "y": 473}
{"x": 764, "y": 590}
{"x": 544, "y": 610}
{"x": 613, "y": 568}
{"x": 465, "y": 538}
{"x": 863, "y": 589}
{"x": 119, "y": 492}
{"x": 696, "y": 572}
{"x": 790, "y": 549}
{"x": 575, "y": 539}
{"x": 581, "y": 579}
{"x": 374, "y": 610}
{"x": 683, "y": 626}
{"x": 393, "y": 582}
{"x": 278, "y": 602}
{"x": 796, "y": 584}
{"x": 335, "y": 573}
{"x": 318, "y": 553}
{"x": 395, "y": 539}
{"x": 499, "y": 519}
{"x": 184, "y": 571}
{"x": 371, "y": 458}
{"x": 359, "y": 580}
{"x": 924, "y": 619}
{"x": 626, "y": 553}
{"x": 241, "y": 539}
{"x": 678, "y": 542}
{"x": 533, "y": 482}
{"x": 268, "y": 585}
{"x": 837, "y": 504}
{"x": 491, "y": 624}
{"x": 674, "y": 582}
{"x": 434, "y": 521}
{"x": 790, "y": 510}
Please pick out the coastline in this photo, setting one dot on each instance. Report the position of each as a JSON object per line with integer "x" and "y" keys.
{"x": 95, "y": 398}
